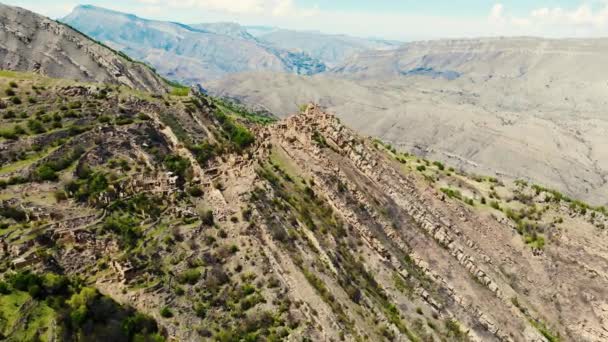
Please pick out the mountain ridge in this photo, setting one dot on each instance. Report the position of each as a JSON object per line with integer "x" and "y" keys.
{"x": 185, "y": 53}
{"x": 216, "y": 220}
{"x": 87, "y": 62}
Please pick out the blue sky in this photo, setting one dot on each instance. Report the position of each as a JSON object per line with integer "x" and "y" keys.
{"x": 393, "y": 19}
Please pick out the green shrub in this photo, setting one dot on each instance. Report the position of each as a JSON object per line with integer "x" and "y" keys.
{"x": 4, "y": 288}
{"x": 180, "y": 91}
{"x": 495, "y": 205}
{"x": 60, "y": 196}
{"x": 126, "y": 227}
{"x": 454, "y": 330}
{"x": 421, "y": 168}
{"x": 143, "y": 117}
{"x": 45, "y": 173}
{"x": 9, "y": 92}
{"x": 13, "y": 84}
{"x": 195, "y": 191}
{"x": 239, "y": 135}
{"x": 319, "y": 139}
{"x": 177, "y": 165}
{"x": 452, "y": 193}
{"x": 166, "y": 312}
{"x": 104, "y": 119}
{"x": 189, "y": 277}
{"x": 16, "y": 100}
{"x": 75, "y": 105}
{"x": 439, "y": 165}
{"x": 123, "y": 120}
{"x": 9, "y": 134}
{"x": 35, "y": 126}
{"x": 14, "y": 213}
{"x": 204, "y": 152}
{"x": 201, "y": 310}
{"x": 207, "y": 218}
{"x": 18, "y": 130}
{"x": 9, "y": 114}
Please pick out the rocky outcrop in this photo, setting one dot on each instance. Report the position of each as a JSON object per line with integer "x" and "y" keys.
{"x": 440, "y": 238}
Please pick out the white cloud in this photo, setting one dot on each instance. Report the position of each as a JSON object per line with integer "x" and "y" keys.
{"x": 497, "y": 12}
{"x": 588, "y": 19}
{"x": 259, "y": 7}
{"x": 585, "y": 20}
{"x": 52, "y": 10}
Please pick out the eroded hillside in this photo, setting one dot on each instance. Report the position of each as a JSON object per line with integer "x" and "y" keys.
{"x": 33, "y": 43}
{"x": 224, "y": 225}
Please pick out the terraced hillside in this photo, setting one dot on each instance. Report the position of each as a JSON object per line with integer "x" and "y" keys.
{"x": 221, "y": 224}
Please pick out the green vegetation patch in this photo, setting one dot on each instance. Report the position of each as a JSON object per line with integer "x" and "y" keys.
{"x": 47, "y": 306}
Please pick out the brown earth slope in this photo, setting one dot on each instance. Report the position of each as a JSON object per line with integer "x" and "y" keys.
{"x": 224, "y": 228}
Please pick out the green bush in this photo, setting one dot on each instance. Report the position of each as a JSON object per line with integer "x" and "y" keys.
{"x": 207, "y": 218}
{"x": 166, "y": 312}
{"x": 4, "y": 288}
{"x": 16, "y": 100}
{"x": 189, "y": 277}
{"x": 75, "y": 105}
{"x": 180, "y": 91}
{"x": 35, "y": 126}
{"x": 177, "y": 165}
{"x": 195, "y": 191}
{"x": 46, "y": 173}
{"x": 439, "y": 165}
{"x": 452, "y": 193}
{"x": 14, "y": 213}
{"x": 126, "y": 227}
{"x": 204, "y": 152}
{"x": 104, "y": 119}
{"x": 9, "y": 92}
{"x": 9, "y": 134}
{"x": 239, "y": 135}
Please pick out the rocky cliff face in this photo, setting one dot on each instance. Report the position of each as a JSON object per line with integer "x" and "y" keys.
{"x": 30, "y": 42}
{"x": 223, "y": 225}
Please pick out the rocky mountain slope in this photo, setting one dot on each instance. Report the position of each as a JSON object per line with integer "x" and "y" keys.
{"x": 224, "y": 225}
{"x": 189, "y": 54}
{"x": 30, "y": 42}
{"x": 514, "y": 107}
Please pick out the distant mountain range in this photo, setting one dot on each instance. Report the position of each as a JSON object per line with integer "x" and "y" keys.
{"x": 331, "y": 49}
{"x": 202, "y": 52}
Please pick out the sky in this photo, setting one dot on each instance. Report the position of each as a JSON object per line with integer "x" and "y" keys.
{"x": 390, "y": 19}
